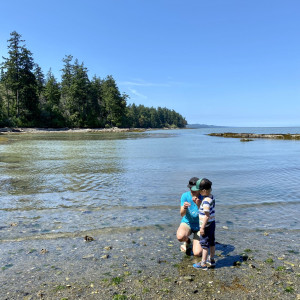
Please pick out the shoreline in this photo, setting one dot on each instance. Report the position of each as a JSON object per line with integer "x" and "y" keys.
{"x": 279, "y": 136}
{"x": 136, "y": 265}
{"x": 22, "y": 130}
{"x": 8, "y": 130}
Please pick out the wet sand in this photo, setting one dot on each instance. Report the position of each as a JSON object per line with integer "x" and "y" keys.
{"x": 144, "y": 263}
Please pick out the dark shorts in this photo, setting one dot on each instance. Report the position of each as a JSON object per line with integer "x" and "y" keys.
{"x": 208, "y": 239}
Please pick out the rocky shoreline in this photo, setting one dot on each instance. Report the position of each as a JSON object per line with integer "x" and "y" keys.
{"x": 69, "y": 130}
{"x": 136, "y": 265}
{"x": 257, "y": 136}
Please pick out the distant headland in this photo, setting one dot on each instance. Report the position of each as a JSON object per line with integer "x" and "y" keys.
{"x": 256, "y": 136}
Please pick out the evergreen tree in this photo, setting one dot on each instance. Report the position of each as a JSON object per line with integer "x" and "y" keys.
{"x": 96, "y": 113}
{"x": 80, "y": 89}
{"x": 27, "y": 99}
{"x": 40, "y": 79}
{"x": 115, "y": 103}
{"x": 19, "y": 82}
{"x": 51, "y": 108}
{"x": 75, "y": 92}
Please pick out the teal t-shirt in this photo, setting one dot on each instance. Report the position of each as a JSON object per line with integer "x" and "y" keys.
{"x": 192, "y": 213}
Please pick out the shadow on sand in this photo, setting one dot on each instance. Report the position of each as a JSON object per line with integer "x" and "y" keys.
{"x": 228, "y": 260}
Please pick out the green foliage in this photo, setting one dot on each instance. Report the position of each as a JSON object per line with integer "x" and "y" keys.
{"x": 117, "y": 280}
{"x": 269, "y": 261}
{"x": 289, "y": 289}
{"x": 119, "y": 297}
{"x": 27, "y": 99}
{"x": 19, "y": 82}
{"x": 145, "y": 117}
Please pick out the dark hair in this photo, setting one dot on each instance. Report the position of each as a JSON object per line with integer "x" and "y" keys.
{"x": 205, "y": 184}
{"x": 192, "y": 182}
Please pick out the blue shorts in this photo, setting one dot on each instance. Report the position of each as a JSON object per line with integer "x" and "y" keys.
{"x": 208, "y": 239}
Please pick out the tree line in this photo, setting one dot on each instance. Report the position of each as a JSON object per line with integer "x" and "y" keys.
{"x": 28, "y": 98}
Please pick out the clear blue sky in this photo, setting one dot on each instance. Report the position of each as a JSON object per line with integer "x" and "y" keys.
{"x": 221, "y": 62}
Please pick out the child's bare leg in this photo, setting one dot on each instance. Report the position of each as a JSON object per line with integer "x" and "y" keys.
{"x": 204, "y": 254}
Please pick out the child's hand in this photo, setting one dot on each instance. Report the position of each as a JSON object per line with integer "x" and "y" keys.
{"x": 197, "y": 201}
{"x": 202, "y": 231}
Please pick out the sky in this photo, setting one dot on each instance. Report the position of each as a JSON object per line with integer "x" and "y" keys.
{"x": 217, "y": 62}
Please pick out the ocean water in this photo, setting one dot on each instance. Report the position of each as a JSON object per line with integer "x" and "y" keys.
{"x": 64, "y": 183}
{"x": 57, "y": 186}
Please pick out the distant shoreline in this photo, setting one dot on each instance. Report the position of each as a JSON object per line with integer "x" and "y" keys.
{"x": 70, "y": 130}
{"x": 257, "y": 136}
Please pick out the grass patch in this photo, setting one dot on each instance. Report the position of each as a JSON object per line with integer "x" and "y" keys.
{"x": 247, "y": 250}
{"x": 146, "y": 290}
{"x": 289, "y": 289}
{"x": 60, "y": 288}
{"x": 280, "y": 268}
{"x": 269, "y": 260}
{"x": 127, "y": 273}
{"x": 117, "y": 280}
{"x": 119, "y": 297}
{"x": 32, "y": 251}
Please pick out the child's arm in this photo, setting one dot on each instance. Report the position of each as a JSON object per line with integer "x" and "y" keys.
{"x": 205, "y": 220}
{"x": 197, "y": 201}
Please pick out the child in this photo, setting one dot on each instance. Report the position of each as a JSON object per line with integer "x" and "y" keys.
{"x": 207, "y": 223}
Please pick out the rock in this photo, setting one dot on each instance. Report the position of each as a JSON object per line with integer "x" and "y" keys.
{"x": 237, "y": 263}
{"x": 88, "y": 238}
{"x": 188, "y": 278}
{"x": 44, "y": 251}
{"x": 252, "y": 266}
{"x": 108, "y": 248}
{"x": 41, "y": 294}
{"x": 88, "y": 256}
{"x": 225, "y": 227}
{"x": 244, "y": 257}
{"x": 105, "y": 256}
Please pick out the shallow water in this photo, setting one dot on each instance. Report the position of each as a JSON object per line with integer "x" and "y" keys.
{"x": 57, "y": 187}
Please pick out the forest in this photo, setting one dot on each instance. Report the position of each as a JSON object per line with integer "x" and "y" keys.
{"x": 29, "y": 98}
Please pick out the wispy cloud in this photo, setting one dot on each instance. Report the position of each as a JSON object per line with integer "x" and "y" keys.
{"x": 136, "y": 93}
{"x": 143, "y": 83}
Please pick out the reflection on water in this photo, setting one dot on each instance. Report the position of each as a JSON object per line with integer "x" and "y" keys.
{"x": 71, "y": 183}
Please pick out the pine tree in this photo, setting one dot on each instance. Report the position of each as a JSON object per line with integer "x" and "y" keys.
{"x": 96, "y": 113}
{"x": 51, "y": 108}
{"x": 19, "y": 82}
{"x": 115, "y": 103}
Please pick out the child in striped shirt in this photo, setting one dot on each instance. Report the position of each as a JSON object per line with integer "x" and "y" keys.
{"x": 207, "y": 223}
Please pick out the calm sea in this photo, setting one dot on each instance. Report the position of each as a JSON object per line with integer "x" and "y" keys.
{"x": 56, "y": 184}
